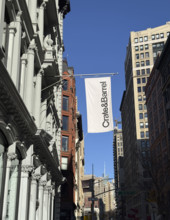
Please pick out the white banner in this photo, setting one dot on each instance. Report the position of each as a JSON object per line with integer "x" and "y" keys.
{"x": 99, "y": 104}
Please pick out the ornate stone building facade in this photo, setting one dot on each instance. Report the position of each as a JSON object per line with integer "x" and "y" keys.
{"x": 31, "y": 51}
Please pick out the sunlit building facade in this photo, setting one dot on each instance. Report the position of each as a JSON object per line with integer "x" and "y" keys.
{"x": 31, "y": 50}
{"x": 142, "y": 50}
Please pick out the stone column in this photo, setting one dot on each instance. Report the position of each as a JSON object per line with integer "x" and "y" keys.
{"x": 41, "y": 22}
{"x": 48, "y": 123}
{"x": 11, "y": 156}
{"x": 28, "y": 93}
{"x": 42, "y": 183}
{"x": 33, "y": 194}
{"x": 32, "y": 6}
{"x": 43, "y": 114}
{"x": 46, "y": 203}
{"x": 12, "y": 31}
{"x": 2, "y": 13}
{"x": 52, "y": 204}
{"x": 37, "y": 101}
{"x": 23, "y": 72}
{"x": 16, "y": 52}
{"x": 26, "y": 168}
{"x": 23, "y": 204}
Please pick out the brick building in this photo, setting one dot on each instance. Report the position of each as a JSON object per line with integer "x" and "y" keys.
{"x": 68, "y": 136}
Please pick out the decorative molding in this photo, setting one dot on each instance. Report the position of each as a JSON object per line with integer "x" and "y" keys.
{"x": 26, "y": 169}
{"x": 11, "y": 156}
{"x": 35, "y": 176}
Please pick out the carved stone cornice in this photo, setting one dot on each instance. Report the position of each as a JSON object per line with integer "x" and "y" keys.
{"x": 26, "y": 168}
{"x": 42, "y": 182}
{"x": 11, "y": 156}
{"x": 14, "y": 107}
{"x": 35, "y": 176}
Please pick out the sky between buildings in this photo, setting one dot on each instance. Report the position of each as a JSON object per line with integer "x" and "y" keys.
{"x": 96, "y": 33}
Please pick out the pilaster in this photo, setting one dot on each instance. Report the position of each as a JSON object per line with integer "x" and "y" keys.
{"x": 23, "y": 199}
{"x": 28, "y": 93}
{"x": 23, "y": 72}
{"x": 46, "y": 204}
{"x": 2, "y": 13}
{"x": 37, "y": 101}
{"x": 26, "y": 169}
{"x": 12, "y": 31}
{"x": 43, "y": 114}
{"x": 32, "y": 7}
{"x": 33, "y": 192}
{"x": 41, "y": 21}
{"x": 16, "y": 52}
{"x": 42, "y": 183}
{"x": 10, "y": 156}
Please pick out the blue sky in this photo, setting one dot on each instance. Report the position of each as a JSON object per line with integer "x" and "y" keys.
{"x": 96, "y": 33}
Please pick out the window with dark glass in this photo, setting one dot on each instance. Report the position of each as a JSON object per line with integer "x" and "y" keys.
{"x": 146, "y": 54}
{"x": 145, "y": 38}
{"x": 141, "y": 47}
{"x": 143, "y": 71}
{"x": 140, "y": 107}
{"x": 139, "y": 89}
{"x": 65, "y": 123}
{"x": 136, "y": 40}
{"x": 137, "y": 64}
{"x": 65, "y": 143}
{"x": 148, "y": 71}
{"x": 141, "y": 125}
{"x": 65, "y": 103}
{"x": 141, "y": 39}
{"x": 65, "y": 84}
{"x": 137, "y": 72}
{"x": 147, "y": 62}
{"x": 162, "y": 35}
{"x": 138, "y": 81}
{"x": 139, "y": 98}
{"x": 143, "y": 80}
{"x": 142, "y": 63}
{"x": 142, "y": 134}
{"x": 140, "y": 115}
{"x": 147, "y": 133}
{"x": 136, "y": 48}
{"x": 143, "y": 88}
{"x": 146, "y": 46}
{"x": 142, "y": 55}
{"x": 137, "y": 56}
{"x": 157, "y": 36}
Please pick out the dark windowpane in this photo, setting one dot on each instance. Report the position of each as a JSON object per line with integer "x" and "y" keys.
{"x": 65, "y": 84}
{"x": 65, "y": 123}
{"x": 64, "y": 143}
{"x": 65, "y": 103}
{"x": 143, "y": 71}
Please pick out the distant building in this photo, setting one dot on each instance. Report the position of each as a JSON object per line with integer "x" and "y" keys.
{"x": 68, "y": 146}
{"x": 104, "y": 190}
{"x": 118, "y": 168}
{"x": 142, "y": 50}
